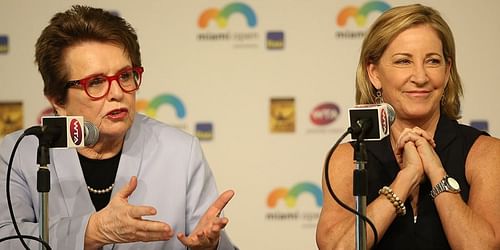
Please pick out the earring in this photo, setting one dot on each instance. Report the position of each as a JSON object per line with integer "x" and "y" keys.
{"x": 443, "y": 100}
{"x": 378, "y": 97}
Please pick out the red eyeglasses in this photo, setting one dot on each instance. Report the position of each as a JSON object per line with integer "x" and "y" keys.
{"x": 97, "y": 86}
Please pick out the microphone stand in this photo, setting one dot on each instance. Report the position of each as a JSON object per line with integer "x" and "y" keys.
{"x": 43, "y": 187}
{"x": 360, "y": 190}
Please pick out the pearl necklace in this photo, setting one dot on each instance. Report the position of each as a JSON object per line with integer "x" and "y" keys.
{"x": 101, "y": 191}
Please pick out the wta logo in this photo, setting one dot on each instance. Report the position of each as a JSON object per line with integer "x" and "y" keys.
{"x": 324, "y": 114}
{"x": 76, "y": 131}
{"x": 384, "y": 121}
{"x": 221, "y": 17}
{"x": 150, "y": 108}
{"x": 290, "y": 196}
{"x": 360, "y": 14}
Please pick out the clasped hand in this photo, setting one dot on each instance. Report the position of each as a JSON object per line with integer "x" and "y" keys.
{"x": 120, "y": 222}
{"x": 415, "y": 150}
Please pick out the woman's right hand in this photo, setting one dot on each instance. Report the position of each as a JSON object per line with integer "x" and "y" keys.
{"x": 407, "y": 155}
{"x": 120, "y": 222}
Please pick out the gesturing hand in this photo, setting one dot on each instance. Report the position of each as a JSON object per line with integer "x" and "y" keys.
{"x": 121, "y": 222}
{"x": 207, "y": 232}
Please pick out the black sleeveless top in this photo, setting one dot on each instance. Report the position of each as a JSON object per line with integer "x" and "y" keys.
{"x": 453, "y": 144}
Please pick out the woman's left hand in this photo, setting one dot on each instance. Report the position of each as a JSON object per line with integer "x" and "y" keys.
{"x": 207, "y": 232}
{"x": 425, "y": 147}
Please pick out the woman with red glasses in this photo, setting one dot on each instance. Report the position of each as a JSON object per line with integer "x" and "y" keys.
{"x": 143, "y": 185}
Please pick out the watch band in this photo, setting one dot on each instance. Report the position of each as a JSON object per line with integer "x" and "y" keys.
{"x": 439, "y": 188}
{"x": 447, "y": 184}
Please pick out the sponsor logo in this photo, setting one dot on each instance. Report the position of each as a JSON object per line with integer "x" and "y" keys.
{"x": 76, "y": 132}
{"x": 359, "y": 15}
{"x": 11, "y": 117}
{"x": 480, "y": 125}
{"x": 324, "y": 114}
{"x": 384, "y": 120}
{"x": 151, "y": 109}
{"x": 291, "y": 195}
{"x": 275, "y": 40}
{"x": 307, "y": 217}
{"x": 221, "y": 16}
{"x": 241, "y": 38}
{"x": 204, "y": 131}
{"x": 4, "y": 44}
{"x": 322, "y": 117}
{"x": 282, "y": 115}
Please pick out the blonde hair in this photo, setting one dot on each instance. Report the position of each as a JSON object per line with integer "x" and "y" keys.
{"x": 390, "y": 24}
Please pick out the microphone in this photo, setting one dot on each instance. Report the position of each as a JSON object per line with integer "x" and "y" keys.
{"x": 65, "y": 132}
{"x": 91, "y": 134}
{"x": 371, "y": 121}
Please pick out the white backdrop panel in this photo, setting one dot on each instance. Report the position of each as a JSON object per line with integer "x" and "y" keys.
{"x": 230, "y": 84}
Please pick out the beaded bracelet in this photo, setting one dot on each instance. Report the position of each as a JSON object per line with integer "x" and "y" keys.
{"x": 394, "y": 199}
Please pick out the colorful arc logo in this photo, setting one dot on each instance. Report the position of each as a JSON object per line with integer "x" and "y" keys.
{"x": 360, "y": 14}
{"x": 151, "y": 107}
{"x": 222, "y": 16}
{"x": 290, "y": 195}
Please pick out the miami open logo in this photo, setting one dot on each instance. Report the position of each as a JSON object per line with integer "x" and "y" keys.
{"x": 221, "y": 25}
{"x": 283, "y": 203}
{"x": 359, "y": 16}
{"x": 150, "y": 108}
{"x": 221, "y": 17}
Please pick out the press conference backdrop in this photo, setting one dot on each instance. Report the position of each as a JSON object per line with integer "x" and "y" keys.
{"x": 266, "y": 89}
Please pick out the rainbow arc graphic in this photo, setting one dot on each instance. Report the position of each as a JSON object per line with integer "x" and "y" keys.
{"x": 221, "y": 17}
{"x": 291, "y": 195}
{"x": 360, "y": 14}
{"x": 152, "y": 106}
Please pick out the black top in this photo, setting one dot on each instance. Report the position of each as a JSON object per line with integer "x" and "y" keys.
{"x": 453, "y": 142}
{"x": 100, "y": 174}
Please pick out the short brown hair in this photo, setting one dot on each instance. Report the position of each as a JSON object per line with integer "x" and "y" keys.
{"x": 390, "y": 24}
{"x": 76, "y": 25}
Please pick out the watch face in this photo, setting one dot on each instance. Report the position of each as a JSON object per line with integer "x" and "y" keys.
{"x": 453, "y": 183}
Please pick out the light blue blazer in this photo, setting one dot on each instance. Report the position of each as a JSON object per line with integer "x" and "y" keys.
{"x": 173, "y": 176}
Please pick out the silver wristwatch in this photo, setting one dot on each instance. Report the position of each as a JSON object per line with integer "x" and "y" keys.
{"x": 447, "y": 184}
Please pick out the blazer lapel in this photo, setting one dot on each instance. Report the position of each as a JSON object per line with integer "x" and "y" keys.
{"x": 131, "y": 157}
{"x": 70, "y": 178}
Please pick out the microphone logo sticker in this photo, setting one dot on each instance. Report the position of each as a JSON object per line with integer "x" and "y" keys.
{"x": 75, "y": 131}
{"x": 384, "y": 121}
